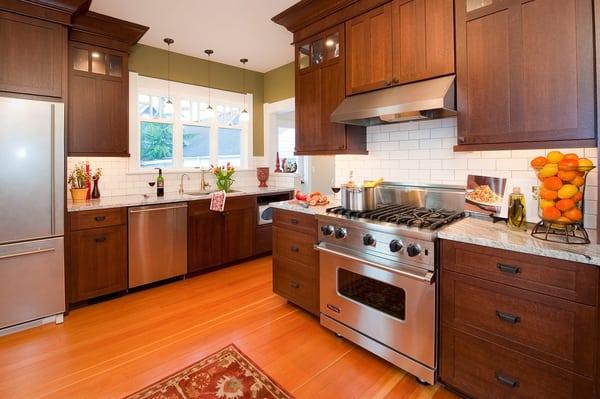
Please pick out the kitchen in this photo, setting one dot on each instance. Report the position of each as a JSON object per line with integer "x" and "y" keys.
{"x": 157, "y": 240}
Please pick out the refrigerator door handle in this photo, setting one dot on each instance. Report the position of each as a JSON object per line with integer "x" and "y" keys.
{"x": 37, "y": 251}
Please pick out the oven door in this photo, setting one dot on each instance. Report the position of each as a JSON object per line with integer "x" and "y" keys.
{"x": 393, "y": 306}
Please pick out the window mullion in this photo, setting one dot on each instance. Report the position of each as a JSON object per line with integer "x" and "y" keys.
{"x": 177, "y": 134}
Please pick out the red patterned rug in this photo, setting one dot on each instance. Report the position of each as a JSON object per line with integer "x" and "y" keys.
{"x": 227, "y": 374}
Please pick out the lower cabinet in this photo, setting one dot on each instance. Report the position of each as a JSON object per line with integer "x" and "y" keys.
{"x": 98, "y": 254}
{"x": 515, "y": 325}
{"x": 295, "y": 262}
{"x": 263, "y": 239}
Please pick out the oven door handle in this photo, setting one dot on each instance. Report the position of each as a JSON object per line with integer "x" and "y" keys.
{"x": 426, "y": 278}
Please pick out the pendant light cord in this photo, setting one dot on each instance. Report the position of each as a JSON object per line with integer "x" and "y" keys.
{"x": 169, "y": 42}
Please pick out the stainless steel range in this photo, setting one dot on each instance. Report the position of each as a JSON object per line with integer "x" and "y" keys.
{"x": 378, "y": 271}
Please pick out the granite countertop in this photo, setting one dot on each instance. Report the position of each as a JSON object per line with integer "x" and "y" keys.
{"x": 474, "y": 230}
{"x": 295, "y": 206}
{"x": 137, "y": 199}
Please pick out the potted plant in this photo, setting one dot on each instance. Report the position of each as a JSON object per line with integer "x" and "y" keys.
{"x": 79, "y": 179}
{"x": 223, "y": 176}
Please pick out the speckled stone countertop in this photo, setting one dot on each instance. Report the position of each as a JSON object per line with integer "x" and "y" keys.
{"x": 475, "y": 230}
{"x": 295, "y": 206}
{"x": 137, "y": 200}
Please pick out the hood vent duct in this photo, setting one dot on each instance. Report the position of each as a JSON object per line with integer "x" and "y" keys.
{"x": 429, "y": 99}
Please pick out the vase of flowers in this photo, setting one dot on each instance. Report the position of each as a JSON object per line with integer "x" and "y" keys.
{"x": 223, "y": 176}
{"x": 78, "y": 179}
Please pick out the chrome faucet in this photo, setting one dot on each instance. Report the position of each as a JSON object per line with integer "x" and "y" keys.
{"x": 203, "y": 184}
{"x": 181, "y": 191}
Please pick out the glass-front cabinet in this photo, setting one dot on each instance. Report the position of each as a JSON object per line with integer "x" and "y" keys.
{"x": 318, "y": 50}
{"x": 473, "y": 5}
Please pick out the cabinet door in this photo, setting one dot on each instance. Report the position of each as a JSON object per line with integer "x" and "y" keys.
{"x": 369, "y": 51}
{"x": 31, "y": 55}
{"x": 423, "y": 39}
{"x": 205, "y": 244}
{"x": 98, "y": 262}
{"x": 240, "y": 225}
{"x": 540, "y": 55}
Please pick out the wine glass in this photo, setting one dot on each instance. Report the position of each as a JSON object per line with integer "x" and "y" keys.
{"x": 335, "y": 188}
{"x": 151, "y": 184}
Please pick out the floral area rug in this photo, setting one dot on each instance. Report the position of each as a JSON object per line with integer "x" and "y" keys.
{"x": 227, "y": 374}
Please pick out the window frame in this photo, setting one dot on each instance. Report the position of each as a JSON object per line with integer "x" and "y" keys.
{"x": 181, "y": 91}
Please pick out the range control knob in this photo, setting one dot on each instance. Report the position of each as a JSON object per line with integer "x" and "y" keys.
{"x": 396, "y": 245}
{"x": 340, "y": 233}
{"x": 368, "y": 240}
{"x": 327, "y": 230}
{"x": 413, "y": 250}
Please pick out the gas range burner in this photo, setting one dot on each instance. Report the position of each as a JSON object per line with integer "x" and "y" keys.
{"x": 407, "y": 215}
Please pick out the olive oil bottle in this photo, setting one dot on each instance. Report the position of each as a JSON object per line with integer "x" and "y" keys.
{"x": 516, "y": 210}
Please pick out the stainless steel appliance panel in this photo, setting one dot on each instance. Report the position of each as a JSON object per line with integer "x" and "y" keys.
{"x": 157, "y": 243}
{"x": 32, "y": 174}
{"x": 358, "y": 198}
{"x": 32, "y": 281}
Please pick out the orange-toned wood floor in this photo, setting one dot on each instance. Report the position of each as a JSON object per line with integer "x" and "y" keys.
{"x": 114, "y": 348}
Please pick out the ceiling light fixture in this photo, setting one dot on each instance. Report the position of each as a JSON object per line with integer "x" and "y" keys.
{"x": 244, "y": 116}
{"x": 169, "y": 42}
{"x": 209, "y": 110}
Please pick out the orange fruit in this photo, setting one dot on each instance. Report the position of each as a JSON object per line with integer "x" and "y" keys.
{"x": 548, "y": 170}
{"x": 565, "y": 204}
{"x": 545, "y": 203}
{"x": 549, "y": 195}
{"x": 571, "y": 155}
{"x": 577, "y": 197}
{"x": 538, "y": 162}
{"x": 567, "y": 191}
{"x": 568, "y": 164}
{"x": 567, "y": 175}
{"x": 551, "y": 213}
{"x": 563, "y": 220}
{"x": 585, "y": 164}
{"x": 578, "y": 181}
{"x": 574, "y": 214}
{"x": 555, "y": 156}
{"x": 553, "y": 183}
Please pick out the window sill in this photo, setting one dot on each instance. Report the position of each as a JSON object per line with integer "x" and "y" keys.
{"x": 176, "y": 171}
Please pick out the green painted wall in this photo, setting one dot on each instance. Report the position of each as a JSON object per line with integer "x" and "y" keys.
{"x": 152, "y": 62}
{"x": 279, "y": 83}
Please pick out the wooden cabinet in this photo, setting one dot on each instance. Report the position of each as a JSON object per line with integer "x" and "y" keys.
{"x": 216, "y": 238}
{"x": 263, "y": 239}
{"x": 515, "y": 325}
{"x": 98, "y": 253}
{"x": 32, "y": 56}
{"x": 98, "y": 101}
{"x": 295, "y": 262}
{"x": 525, "y": 74}
{"x": 320, "y": 71}
{"x": 400, "y": 42}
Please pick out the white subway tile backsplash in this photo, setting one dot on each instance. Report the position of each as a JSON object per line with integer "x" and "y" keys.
{"x": 430, "y": 124}
{"x": 482, "y": 164}
{"x": 419, "y": 154}
{"x": 496, "y": 154}
{"x": 512, "y": 164}
{"x": 399, "y": 136}
{"x": 419, "y": 134}
{"x": 443, "y": 132}
{"x": 431, "y": 144}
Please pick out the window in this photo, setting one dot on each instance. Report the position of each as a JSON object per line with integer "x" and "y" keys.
{"x": 183, "y": 133}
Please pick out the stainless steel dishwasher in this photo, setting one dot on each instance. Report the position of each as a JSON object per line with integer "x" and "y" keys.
{"x": 157, "y": 243}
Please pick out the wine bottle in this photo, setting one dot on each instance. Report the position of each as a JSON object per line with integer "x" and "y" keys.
{"x": 160, "y": 184}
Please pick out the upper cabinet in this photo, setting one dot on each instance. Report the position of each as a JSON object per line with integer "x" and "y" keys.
{"x": 320, "y": 88}
{"x": 399, "y": 42}
{"x": 32, "y": 56}
{"x": 98, "y": 101}
{"x": 525, "y": 74}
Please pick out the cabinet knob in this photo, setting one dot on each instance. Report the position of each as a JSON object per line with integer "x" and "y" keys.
{"x": 100, "y": 239}
{"x": 294, "y": 221}
{"x": 506, "y": 380}
{"x": 508, "y": 269}
{"x": 294, "y": 284}
{"x": 507, "y": 317}
{"x": 461, "y": 139}
{"x": 100, "y": 218}
{"x": 294, "y": 248}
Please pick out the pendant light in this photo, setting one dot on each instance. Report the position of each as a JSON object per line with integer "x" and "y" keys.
{"x": 169, "y": 41}
{"x": 244, "y": 116}
{"x": 209, "y": 110}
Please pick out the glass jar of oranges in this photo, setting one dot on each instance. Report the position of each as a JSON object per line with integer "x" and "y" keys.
{"x": 561, "y": 188}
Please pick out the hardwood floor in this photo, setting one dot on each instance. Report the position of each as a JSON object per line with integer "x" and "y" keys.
{"x": 114, "y": 348}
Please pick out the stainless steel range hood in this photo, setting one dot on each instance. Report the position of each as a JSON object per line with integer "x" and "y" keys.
{"x": 429, "y": 99}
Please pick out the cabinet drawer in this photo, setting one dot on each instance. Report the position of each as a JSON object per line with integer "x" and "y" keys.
{"x": 296, "y": 282}
{"x": 97, "y": 218}
{"x": 569, "y": 280}
{"x": 297, "y": 221}
{"x": 244, "y": 202}
{"x": 551, "y": 329}
{"x": 291, "y": 245}
{"x": 484, "y": 370}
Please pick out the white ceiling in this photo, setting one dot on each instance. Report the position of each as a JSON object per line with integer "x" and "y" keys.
{"x": 234, "y": 29}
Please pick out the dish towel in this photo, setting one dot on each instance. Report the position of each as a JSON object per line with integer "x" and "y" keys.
{"x": 217, "y": 201}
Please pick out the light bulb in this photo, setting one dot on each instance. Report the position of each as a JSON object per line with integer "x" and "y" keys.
{"x": 244, "y": 116}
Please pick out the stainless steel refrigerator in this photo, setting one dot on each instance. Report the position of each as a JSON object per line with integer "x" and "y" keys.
{"x": 32, "y": 281}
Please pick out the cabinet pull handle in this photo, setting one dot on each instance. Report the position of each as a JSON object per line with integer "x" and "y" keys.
{"x": 507, "y": 317}
{"x": 100, "y": 218}
{"x": 100, "y": 239}
{"x": 333, "y": 308}
{"x": 294, "y": 221}
{"x": 508, "y": 269}
{"x": 294, "y": 284}
{"x": 295, "y": 248}
{"x": 506, "y": 380}
{"x": 461, "y": 139}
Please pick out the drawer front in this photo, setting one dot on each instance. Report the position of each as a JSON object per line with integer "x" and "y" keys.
{"x": 296, "y": 221}
{"x": 291, "y": 245}
{"x": 484, "y": 370}
{"x": 97, "y": 218}
{"x": 247, "y": 201}
{"x": 296, "y": 282}
{"x": 548, "y": 328}
{"x": 569, "y": 280}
